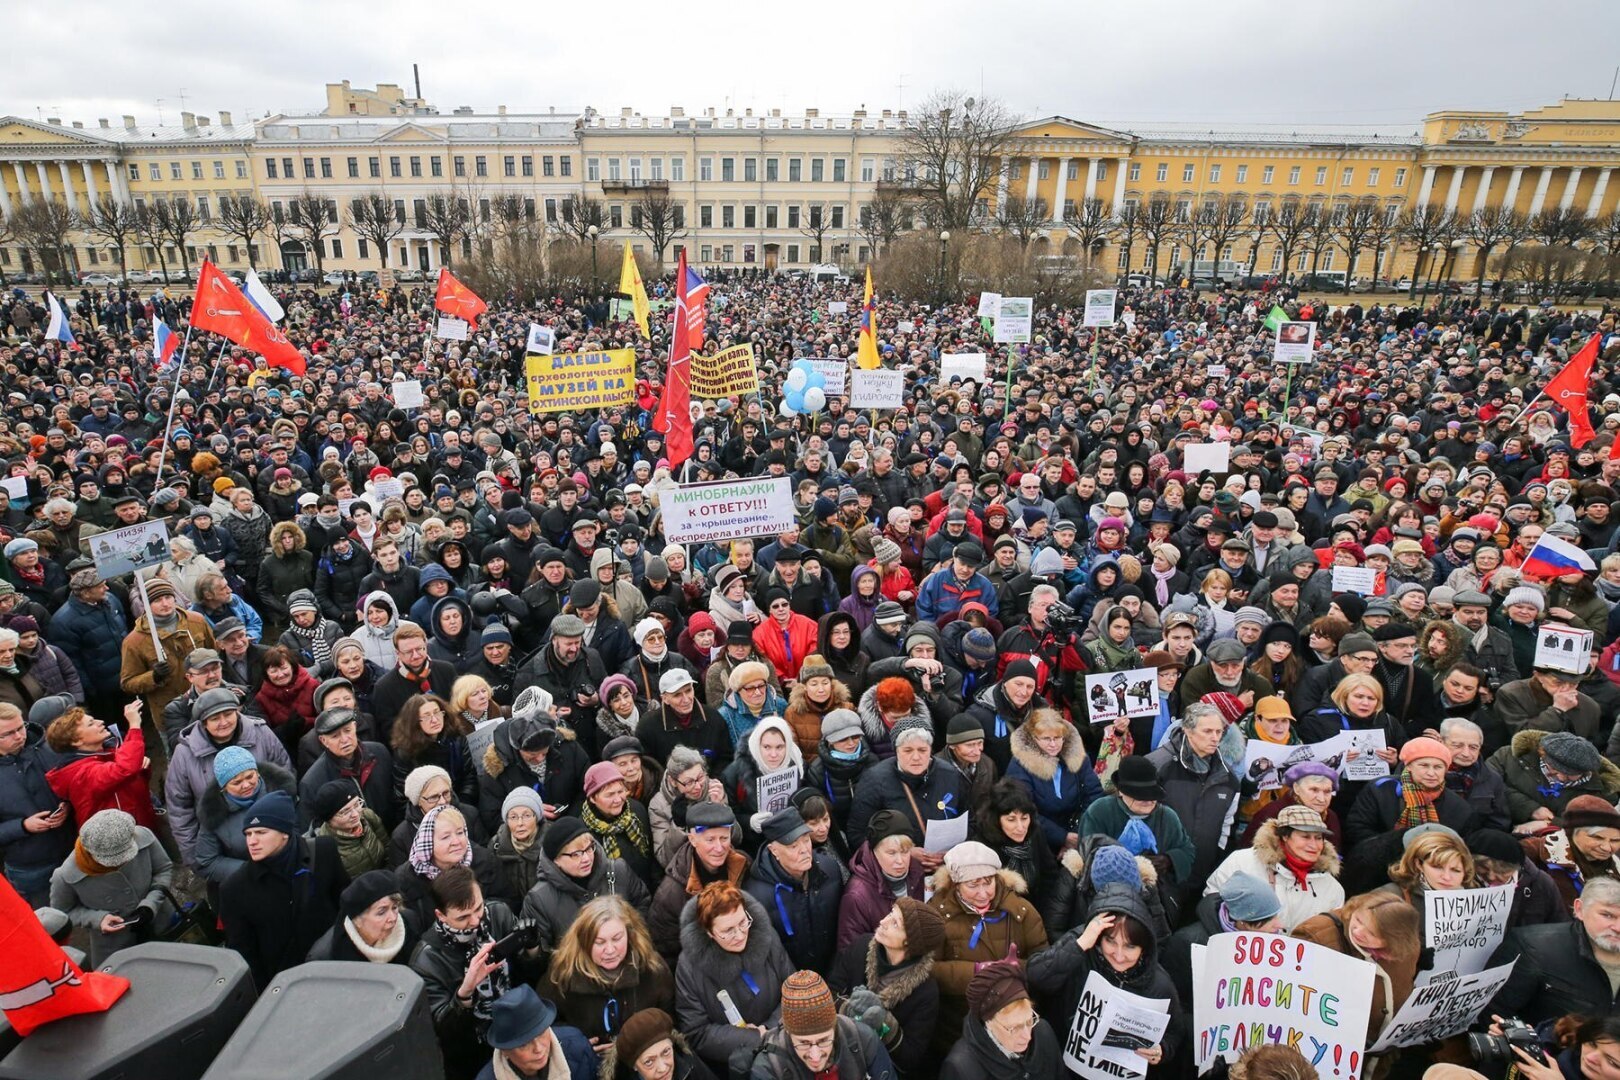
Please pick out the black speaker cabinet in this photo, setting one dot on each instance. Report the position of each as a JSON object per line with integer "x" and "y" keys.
{"x": 336, "y": 1021}
{"x": 182, "y": 1004}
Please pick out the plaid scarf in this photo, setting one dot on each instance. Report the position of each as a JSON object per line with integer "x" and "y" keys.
{"x": 422, "y": 847}
{"x": 1417, "y": 805}
{"x": 617, "y": 832}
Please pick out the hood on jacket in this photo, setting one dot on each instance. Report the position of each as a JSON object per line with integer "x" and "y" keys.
{"x": 1268, "y": 846}
{"x": 603, "y": 556}
{"x": 443, "y": 604}
{"x": 285, "y": 528}
{"x": 872, "y": 717}
{"x": 824, "y": 635}
{"x": 799, "y": 699}
{"x": 500, "y": 752}
{"x": 721, "y": 967}
{"x": 1097, "y": 567}
{"x": 365, "y": 605}
{"x": 1116, "y": 899}
{"x": 1457, "y": 639}
{"x": 1027, "y": 752}
{"x": 855, "y": 576}
{"x": 795, "y": 757}
{"x": 434, "y": 572}
{"x": 467, "y": 561}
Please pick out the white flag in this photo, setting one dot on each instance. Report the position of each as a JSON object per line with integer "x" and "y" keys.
{"x": 261, "y": 298}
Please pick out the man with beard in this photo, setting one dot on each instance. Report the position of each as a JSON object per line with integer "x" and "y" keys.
{"x": 1564, "y": 968}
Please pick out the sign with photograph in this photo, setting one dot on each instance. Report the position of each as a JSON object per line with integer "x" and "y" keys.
{"x": 134, "y": 547}
{"x": 1115, "y": 694}
{"x": 1100, "y": 307}
{"x": 1563, "y": 648}
{"x": 1295, "y": 342}
{"x": 1015, "y": 320}
{"x": 542, "y": 339}
{"x": 727, "y": 510}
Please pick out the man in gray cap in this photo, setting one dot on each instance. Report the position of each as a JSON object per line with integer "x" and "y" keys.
{"x": 570, "y": 671}
{"x": 1244, "y": 903}
{"x": 204, "y": 670}
{"x": 800, "y": 887}
{"x": 1225, "y": 668}
{"x": 345, "y": 756}
{"x": 1489, "y": 648}
{"x": 1358, "y": 655}
{"x": 242, "y": 659}
{"x": 528, "y": 752}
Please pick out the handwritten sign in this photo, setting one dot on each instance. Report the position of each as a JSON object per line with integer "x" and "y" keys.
{"x": 878, "y": 389}
{"x": 905, "y": 326}
{"x": 1464, "y": 926}
{"x": 451, "y": 329}
{"x": 1362, "y": 580}
{"x": 1441, "y": 1008}
{"x": 408, "y": 393}
{"x": 837, "y": 307}
{"x": 836, "y": 372}
{"x": 728, "y": 373}
{"x": 776, "y": 789}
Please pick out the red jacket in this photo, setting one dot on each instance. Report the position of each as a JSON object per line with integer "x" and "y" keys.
{"x": 802, "y": 637}
{"x": 107, "y": 780}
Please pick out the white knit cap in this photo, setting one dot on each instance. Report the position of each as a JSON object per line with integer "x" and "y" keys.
{"x": 1525, "y": 594}
{"x": 971, "y": 861}
{"x": 417, "y": 779}
{"x": 645, "y": 627}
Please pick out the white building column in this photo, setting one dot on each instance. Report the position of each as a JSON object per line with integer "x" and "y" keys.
{"x": 1542, "y": 183}
{"x": 1001, "y": 183}
{"x": 1062, "y": 190}
{"x": 44, "y": 180}
{"x": 1091, "y": 179}
{"x": 115, "y": 179}
{"x": 1568, "y": 198}
{"x": 1426, "y": 187}
{"x": 1484, "y": 190}
{"x": 1033, "y": 179}
{"x": 1595, "y": 203}
{"x": 5, "y": 194}
{"x": 1454, "y": 192}
{"x": 1511, "y": 199}
{"x": 64, "y": 168}
{"x": 21, "y": 169}
{"x": 1121, "y": 168}
{"x": 88, "y": 168}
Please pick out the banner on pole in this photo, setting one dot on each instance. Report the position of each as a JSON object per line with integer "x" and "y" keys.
{"x": 587, "y": 380}
{"x": 1100, "y": 307}
{"x": 1015, "y": 320}
{"x": 134, "y": 547}
{"x": 1295, "y": 342}
{"x": 728, "y": 373}
{"x": 880, "y": 389}
{"x": 451, "y": 329}
{"x": 727, "y": 510}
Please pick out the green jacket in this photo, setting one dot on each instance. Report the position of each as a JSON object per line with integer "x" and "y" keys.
{"x": 1108, "y": 816}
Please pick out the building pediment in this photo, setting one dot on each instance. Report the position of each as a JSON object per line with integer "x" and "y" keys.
{"x": 1063, "y": 128}
{"x": 18, "y": 132}
{"x": 411, "y": 133}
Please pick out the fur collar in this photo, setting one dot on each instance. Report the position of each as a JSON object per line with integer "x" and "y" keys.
{"x": 1075, "y": 863}
{"x": 610, "y": 1057}
{"x": 799, "y": 700}
{"x": 1011, "y": 881}
{"x": 899, "y": 984}
{"x": 1268, "y": 848}
{"x": 1028, "y": 753}
{"x": 720, "y": 967}
{"x": 213, "y": 810}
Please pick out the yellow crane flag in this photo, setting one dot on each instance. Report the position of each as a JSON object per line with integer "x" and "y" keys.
{"x": 631, "y": 286}
{"x": 867, "y": 356}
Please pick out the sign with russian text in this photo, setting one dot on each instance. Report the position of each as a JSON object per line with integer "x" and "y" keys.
{"x": 1295, "y": 342}
{"x": 727, "y": 510}
{"x": 1441, "y": 1008}
{"x": 1465, "y": 926}
{"x": 1267, "y": 989}
{"x": 776, "y": 789}
{"x": 131, "y": 548}
{"x": 728, "y": 373}
{"x": 1130, "y": 1018}
{"x": 836, "y": 372}
{"x": 408, "y": 393}
{"x": 586, "y": 380}
{"x": 1100, "y": 307}
{"x": 878, "y": 389}
{"x": 1361, "y": 580}
{"x": 451, "y": 329}
{"x": 1015, "y": 320}
{"x": 1113, "y": 695}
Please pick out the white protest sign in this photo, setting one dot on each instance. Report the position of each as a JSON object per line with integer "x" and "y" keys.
{"x": 450, "y": 329}
{"x": 1015, "y": 320}
{"x": 776, "y": 789}
{"x": 391, "y": 488}
{"x": 1563, "y": 648}
{"x": 1212, "y": 457}
{"x": 942, "y": 834}
{"x": 1083, "y": 1049}
{"x": 837, "y": 307}
{"x": 1265, "y": 989}
{"x": 905, "y": 326}
{"x": 1295, "y": 342}
{"x": 877, "y": 389}
{"x": 16, "y": 486}
{"x": 1362, "y": 580}
{"x": 1441, "y": 1008}
{"x": 408, "y": 394}
{"x": 963, "y": 365}
{"x": 1366, "y": 765}
{"x": 1217, "y": 371}
{"x": 727, "y": 510}
{"x": 836, "y": 373}
{"x": 1464, "y": 926}
{"x": 131, "y": 548}
{"x": 989, "y": 304}
{"x": 1099, "y": 309}
{"x": 1125, "y": 1028}
{"x": 542, "y": 340}
{"x": 1265, "y": 763}
{"x": 1114, "y": 694}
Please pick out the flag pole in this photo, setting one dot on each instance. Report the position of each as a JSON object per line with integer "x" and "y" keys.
{"x": 218, "y": 359}
{"x": 174, "y": 398}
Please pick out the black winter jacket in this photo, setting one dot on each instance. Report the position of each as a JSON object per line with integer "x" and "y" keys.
{"x": 271, "y": 919}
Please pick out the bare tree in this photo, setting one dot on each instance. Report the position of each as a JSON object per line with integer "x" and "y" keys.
{"x": 42, "y": 226}
{"x": 1091, "y": 226}
{"x": 150, "y": 230}
{"x": 244, "y": 218}
{"x": 1385, "y": 230}
{"x": 1355, "y": 228}
{"x": 282, "y": 231}
{"x": 1559, "y": 227}
{"x": 951, "y": 153}
{"x": 373, "y": 218}
{"x": 1128, "y": 224}
{"x": 1321, "y": 235}
{"x": 661, "y": 219}
{"x": 579, "y": 213}
{"x": 447, "y": 219}
{"x": 1489, "y": 228}
{"x": 817, "y": 224}
{"x": 1289, "y": 227}
{"x": 8, "y": 235}
{"x": 883, "y": 219}
{"x": 114, "y": 222}
{"x": 1231, "y": 213}
{"x": 1605, "y": 235}
{"x": 179, "y": 222}
{"x": 1022, "y": 218}
{"x": 1158, "y": 225}
{"x": 1426, "y": 228}
{"x": 314, "y": 219}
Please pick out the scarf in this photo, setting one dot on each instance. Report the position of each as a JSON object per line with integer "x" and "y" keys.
{"x": 556, "y": 1066}
{"x": 423, "y": 680}
{"x": 1417, "y": 806}
{"x": 384, "y": 951}
{"x": 1161, "y": 585}
{"x": 168, "y": 623}
{"x": 87, "y": 863}
{"x": 365, "y": 850}
{"x": 243, "y": 802}
{"x": 616, "y": 834}
{"x": 34, "y": 576}
{"x": 1300, "y": 868}
{"x": 422, "y": 847}
{"x": 318, "y": 645}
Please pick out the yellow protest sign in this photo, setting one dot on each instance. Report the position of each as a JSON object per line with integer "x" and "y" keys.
{"x": 586, "y": 380}
{"x": 727, "y": 373}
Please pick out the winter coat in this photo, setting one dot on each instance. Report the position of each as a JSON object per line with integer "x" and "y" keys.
{"x": 908, "y": 992}
{"x": 804, "y": 914}
{"x": 876, "y": 729}
{"x": 660, "y": 733}
{"x": 1555, "y": 973}
{"x": 338, "y": 944}
{"x": 976, "y": 1056}
{"x": 519, "y": 867}
{"x": 786, "y": 656}
{"x": 281, "y": 575}
{"x": 1552, "y": 852}
{"x": 835, "y": 780}
{"x": 858, "y": 1054}
{"x": 91, "y": 635}
{"x": 937, "y": 794}
{"x": 88, "y": 898}
{"x": 1523, "y": 705}
{"x": 681, "y": 882}
{"x": 50, "y": 667}
{"x": 399, "y": 842}
{"x": 705, "y": 969}
{"x": 115, "y": 779}
{"x": 1061, "y": 787}
{"x": 449, "y": 752}
{"x": 289, "y": 709}
{"x": 139, "y": 658}
{"x": 337, "y": 586}
{"x": 1013, "y": 930}
{"x": 251, "y": 531}
{"x": 191, "y": 774}
{"x": 867, "y": 897}
{"x": 1393, "y": 982}
{"x": 373, "y": 772}
{"x": 805, "y": 717}
{"x": 598, "y": 1010}
{"x": 564, "y": 683}
{"x": 417, "y": 889}
{"x": 998, "y": 719}
{"x": 460, "y": 651}
{"x": 1519, "y": 762}
{"x": 504, "y": 770}
{"x": 218, "y": 848}
{"x": 1108, "y": 817}
{"x": 556, "y": 897}
{"x": 1322, "y": 891}
{"x": 271, "y": 919}
{"x": 25, "y": 790}
{"x": 1205, "y": 802}
{"x": 377, "y": 641}
{"x": 1372, "y": 838}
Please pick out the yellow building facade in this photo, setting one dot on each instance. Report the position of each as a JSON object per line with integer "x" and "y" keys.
{"x": 775, "y": 192}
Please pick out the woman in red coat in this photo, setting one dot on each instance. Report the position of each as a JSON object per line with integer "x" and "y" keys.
{"x": 97, "y": 771}
{"x": 287, "y": 697}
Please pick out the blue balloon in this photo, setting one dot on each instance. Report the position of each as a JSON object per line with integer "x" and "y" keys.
{"x": 795, "y": 400}
{"x": 817, "y": 380}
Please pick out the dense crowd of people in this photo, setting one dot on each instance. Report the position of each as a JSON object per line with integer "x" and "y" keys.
{"x": 428, "y": 687}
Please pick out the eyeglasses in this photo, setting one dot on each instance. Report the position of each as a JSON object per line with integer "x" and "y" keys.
{"x": 1022, "y": 1025}
{"x": 740, "y": 930}
{"x": 754, "y": 688}
{"x": 571, "y": 855}
{"x": 806, "y": 1046}
{"x": 695, "y": 781}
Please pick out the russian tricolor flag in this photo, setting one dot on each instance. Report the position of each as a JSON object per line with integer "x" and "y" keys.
{"x": 164, "y": 342}
{"x": 260, "y": 297}
{"x": 58, "y": 327}
{"x": 1552, "y": 557}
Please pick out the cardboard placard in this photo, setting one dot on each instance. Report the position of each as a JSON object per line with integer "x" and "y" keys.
{"x": 542, "y": 339}
{"x": 451, "y": 329}
{"x": 963, "y": 365}
{"x": 837, "y": 307}
{"x": 1564, "y": 648}
{"x": 880, "y": 389}
{"x": 836, "y": 372}
{"x": 1115, "y": 694}
{"x": 1295, "y": 343}
{"x": 408, "y": 394}
{"x": 1362, "y": 580}
{"x": 131, "y": 548}
{"x": 1213, "y": 457}
{"x": 1015, "y": 320}
{"x": 727, "y": 510}
{"x": 1099, "y": 310}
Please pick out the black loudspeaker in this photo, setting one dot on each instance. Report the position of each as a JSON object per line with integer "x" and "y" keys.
{"x": 334, "y": 1020}
{"x": 182, "y": 1004}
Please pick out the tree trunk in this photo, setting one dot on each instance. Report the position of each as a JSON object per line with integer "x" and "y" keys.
{"x": 1480, "y": 261}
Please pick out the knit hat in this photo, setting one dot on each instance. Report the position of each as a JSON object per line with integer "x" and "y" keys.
{"x": 970, "y": 861}
{"x": 531, "y": 731}
{"x": 612, "y": 684}
{"x": 523, "y": 796}
{"x": 741, "y": 632}
{"x": 887, "y": 823}
{"x": 886, "y": 550}
{"x": 1248, "y": 899}
{"x": 274, "y": 811}
{"x": 963, "y": 728}
{"x": 109, "y": 838}
{"x": 232, "y": 762}
{"x": 979, "y": 644}
{"x": 333, "y": 796}
{"x": 1590, "y": 811}
{"x": 1230, "y": 706}
{"x": 994, "y": 986}
{"x": 840, "y": 724}
{"x": 909, "y": 729}
{"x": 1570, "y": 753}
{"x": 1443, "y": 594}
{"x": 1408, "y": 587}
{"x": 1356, "y": 642}
{"x": 157, "y": 588}
{"x": 815, "y": 667}
{"x": 646, "y": 626}
{"x": 366, "y": 890}
{"x": 807, "y": 1005}
{"x": 1253, "y": 614}
{"x": 600, "y": 775}
{"x": 417, "y": 780}
{"x": 1020, "y": 669}
{"x": 302, "y": 600}
{"x": 1113, "y": 865}
{"x": 1296, "y": 773}
{"x": 494, "y": 633}
{"x": 889, "y": 612}
{"x": 560, "y": 833}
{"x": 1422, "y": 747}
{"x": 925, "y": 927}
{"x": 1525, "y": 594}
{"x": 642, "y": 1030}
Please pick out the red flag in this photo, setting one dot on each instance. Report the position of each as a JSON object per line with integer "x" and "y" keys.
{"x": 220, "y": 307}
{"x": 38, "y": 983}
{"x": 1567, "y": 391}
{"x": 455, "y": 299}
{"x": 674, "y": 417}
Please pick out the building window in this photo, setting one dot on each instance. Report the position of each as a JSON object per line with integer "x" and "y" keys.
{"x": 509, "y": 165}
{"x": 793, "y": 253}
{"x": 233, "y": 254}
{"x": 840, "y": 170}
{"x": 309, "y": 169}
{"x": 1162, "y": 173}
{"x": 748, "y": 253}
{"x": 868, "y": 170}
{"x": 196, "y": 170}
{"x": 241, "y": 170}
{"x": 772, "y": 170}
{"x": 326, "y": 168}
{"x": 1268, "y": 173}
{"x": 677, "y": 168}
{"x": 838, "y": 216}
{"x": 750, "y": 170}
{"x": 416, "y": 167}
{"x": 1187, "y": 173}
{"x": 1243, "y": 174}
{"x": 793, "y": 217}
{"x": 728, "y": 217}
{"x": 548, "y": 166}
{"x": 565, "y": 165}
{"x": 435, "y": 166}
{"x": 616, "y": 216}
{"x": 528, "y": 165}
{"x": 337, "y": 248}
{"x": 770, "y": 217}
{"x": 818, "y": 170}
{"x": 750, "y": 217}
{"x": 705, "y": 217}
{"x": 728, "y": 169}
{"x": 219, "y": 170}
{"x": 1102, "y": 170}
{"x": 394, "y": 168}
{"x": 374, "y": 167}
{"x": 480, "y": 165}
{"x": 726, "y": 252}
{"x": 1214, "y": 174}
{"x": 458, "y": 165}
{"x": 613, "y": 168}
{"x": 1293, "y": 175}
{"x": 1071, "y": 171}
{"x": 175, "y": 171}
{"x": 795, "y": 170}
{"x": 635, "y": 170}
{"x": 269, "y": 170}
{"x": 399, "y": 210}
{"x": 593, "y": 170}
{"x": 1015, "y": 171}
{"x": 706, "y": 169}
{"x": 1347, "y": 177}
{"x": 419, "y": 212}
{"x": 551, "y": 209}
{"x": 202, "y": 208}
{"x": 1372, "y": 176}
{"x": 1400, "y": 177}
{"x": 365, "y": 249}
{"x": 287, "y": 167}
{"x": 1321, "y": 175}
{"x": 705, "y": 253}
{"x": 655, "y": 168}
{"x": 354, "y": 168}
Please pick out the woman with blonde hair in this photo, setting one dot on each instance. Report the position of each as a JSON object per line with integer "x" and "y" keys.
{"x": 1432, "y": 861}
{"x": 1050, "y": 762}
{"x": 1379, "y": 927}
{"x": 472, "y": 699}
{"x": 605, "y": 970}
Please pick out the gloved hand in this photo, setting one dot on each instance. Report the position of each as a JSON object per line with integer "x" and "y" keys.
{"x": 865, "y": 1006}
{"x": 528, "y": 931}
{"x": 162, "y": 670}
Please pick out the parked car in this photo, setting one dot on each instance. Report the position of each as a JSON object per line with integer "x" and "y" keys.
{"x": 409, "y": 275}
{"x": 99, "y": 281}
{"x": 335, "y": 277}
{"x": 1403, "y": 285}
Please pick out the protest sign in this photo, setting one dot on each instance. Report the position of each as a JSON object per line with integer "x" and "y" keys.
{"x": 131, "y": 548}
{"x": 837, "y": 307}
{"x": 1563, "y": 648}
{"x": 542, "y": 339}
{"x": 963, "y": 365}
{"x": 16, "y": 487}
{"x": 776, "y": 788}
{"x": 1214, "y": 457}
{"x": 1441, "y": 1008}
{"x": 408, "y": 394}
{"x": 391, "y": 488}
{"x": 1265, "y": 989}
{"x": 1464, "y": 926}
{"x": 1114, "y": 694}
{"x": 836, "y": 372}
{"x": 989, "y": 304}
{"x": 1100, "y": 307}
{"x": 1015, "y": 320}
{"x": 1265, "y": 763}
{"x": 905, "y": 326}
{"x": 589, "y": 380}
{"x": 1217, "y": 371}
{"x": 1366, "y": 765}
{"x": 1362, "y": 580}
{"x": 728, "y": 373}
{"x": 1295, "y": 342}
{"x": 727, "y": 509}
{"x": 878, "y": 389}
{"x": 451, "y": 329}
{"x": 942, "y": 834}
{"x": 1129, "y": 1017}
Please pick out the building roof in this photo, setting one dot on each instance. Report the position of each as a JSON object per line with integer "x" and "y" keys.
{"x": 141, "y": 135}
{"x": 463, "y": 127}
{"x": 1276, "y": 134}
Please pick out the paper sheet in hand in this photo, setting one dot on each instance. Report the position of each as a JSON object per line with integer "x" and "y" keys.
{"x": 775, "y": 789}
{"x": 1362, "y": 580}
{"x": 408, "y": 394}
{"x": 16, "y": 486}
{"x": 837, "y": 307}
{"x": 989, "y": 304}
{"x": 942, "y": 835}
{"x": 1084, "y": 1033}
{"x": 1214, "y": 457}
{"x": 1126, "y": 1026}
{"x": 542, "y": 339}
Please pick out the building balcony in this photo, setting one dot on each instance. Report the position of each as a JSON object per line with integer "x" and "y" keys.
{"x": 634, "y": 187}
{"x": 898, "y": 186}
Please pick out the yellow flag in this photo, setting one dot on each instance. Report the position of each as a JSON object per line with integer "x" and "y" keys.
{"x": 630, "y": 285}
{"x": 867, "y": 355}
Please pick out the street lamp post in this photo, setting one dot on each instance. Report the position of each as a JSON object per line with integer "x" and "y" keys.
{"x": 944, "y": 241}
{"x": 595, "y": 277}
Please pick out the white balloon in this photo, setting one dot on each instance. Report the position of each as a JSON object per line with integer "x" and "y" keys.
{"x": 788, "y": 410}
{"x": 815, "y": 399}
{"x": 797, "y": 379}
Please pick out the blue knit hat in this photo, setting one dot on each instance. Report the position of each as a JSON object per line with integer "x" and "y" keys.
{"x": 1114, "y": 865}
{"x": 1137, "y": 838}
{"x": 232, "y": 762}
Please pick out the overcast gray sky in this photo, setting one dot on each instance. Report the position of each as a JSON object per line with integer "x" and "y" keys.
{"x": 1383, "y": 62}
